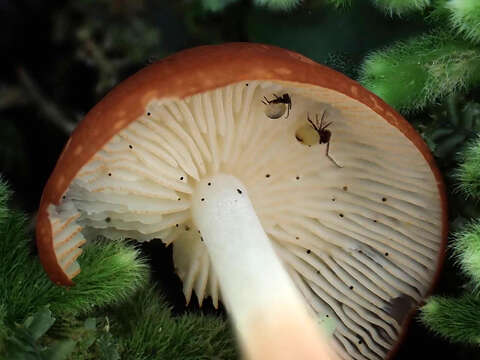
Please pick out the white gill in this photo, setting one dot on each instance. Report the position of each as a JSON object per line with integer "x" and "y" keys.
{"x": 361, "y": 242}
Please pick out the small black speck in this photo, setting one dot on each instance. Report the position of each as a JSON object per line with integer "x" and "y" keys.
{"x": 109, "y": 174}
{"x": 309, "y": 251}
{"x": 246, "y": 84}
{"x": 345, "y": 188}
{"x": 209, "y": 184}
{"x": 187, "y": 227}
{"x": 199, "y": 231}
{"x": 298, "y": 178}
{"x": 179, "y": 199}
{"x": 318, "y": 272}
{"x": 327, "y": 315}
{"x": 360, "y": 251}
{"x": 201, "y": 238}
{"x": 148, "y": 114}
{"x": 181, "y": 177}
{"x": 176, "y": 225}
{"x": 384, "y": 199}
{"x": 239, "y": 191}
{"x": 341, "y": 215}
{"x": 351, "y": 287}
{"x": 202, "y": 199}
{"x": 374, "y": 220}
{"x": 333, "y": 199}
{"x": 360, "y": 342}
{"x": 386, "y": 254}
{"x": 108, "y": 219}
{"x": 64, "y": 197}
{"x": 267, "y": 176}
{"x": 130, "y": 146}
{"x": 296, "y": 237}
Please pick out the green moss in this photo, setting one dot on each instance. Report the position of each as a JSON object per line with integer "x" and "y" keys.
{"x": 465, "y": 17}
{"x": 467, "y": 251}
{"x": 413, "y": 74}
{"x": 151, "y": 332}
{"x": 401, "y": 7}
{"x": 278, "y": 4}
{"x": 468, "y": 172}
{"x": 453, "y": 319}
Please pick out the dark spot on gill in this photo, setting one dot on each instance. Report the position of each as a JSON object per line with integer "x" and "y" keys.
{"x": 309, "y": 251}
{"x": 108, "y": 219}
{"x": 239, "y": 191}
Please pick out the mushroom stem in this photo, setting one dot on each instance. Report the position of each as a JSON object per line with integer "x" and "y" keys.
{"x": 268, "y": 312}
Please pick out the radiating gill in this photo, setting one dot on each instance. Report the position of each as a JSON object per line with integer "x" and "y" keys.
{"x": 354, "y": 239}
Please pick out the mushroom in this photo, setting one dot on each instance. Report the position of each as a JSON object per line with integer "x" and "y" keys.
{"x": 187, "y": 151}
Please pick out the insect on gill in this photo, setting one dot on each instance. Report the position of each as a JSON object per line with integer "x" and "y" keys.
{"x": 277, "y": 106}
{"x": 324, "y": 134}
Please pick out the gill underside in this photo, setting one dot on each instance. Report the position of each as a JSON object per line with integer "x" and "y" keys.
{"x": 360, "y": 242}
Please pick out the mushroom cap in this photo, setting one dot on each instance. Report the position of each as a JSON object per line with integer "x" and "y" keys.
{"x": 199, "y": 70}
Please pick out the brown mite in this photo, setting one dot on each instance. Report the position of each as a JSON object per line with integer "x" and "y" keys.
{"x": 324, "y": 134}
{"x": 278, "y": 106}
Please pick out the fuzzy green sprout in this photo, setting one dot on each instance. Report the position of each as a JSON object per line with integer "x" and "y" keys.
{"x": 278, "y": 4}
{"x": 150, "y": 329}
{"x": 467, "y": 251}
{"x": 413, "y": 74}
{"x": 468, "y": 173}
{"x": 401, "y": 7}
{"x": 465, "y": 17}
{"x": 454, "y": 319}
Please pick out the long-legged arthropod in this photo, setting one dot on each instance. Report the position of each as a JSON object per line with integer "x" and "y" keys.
{"x": 324, "y": 134}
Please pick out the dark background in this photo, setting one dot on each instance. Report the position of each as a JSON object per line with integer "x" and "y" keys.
{"x": 60, "y": 58}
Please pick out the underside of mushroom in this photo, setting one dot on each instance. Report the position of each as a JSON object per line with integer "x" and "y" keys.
{"x": 358, "y": 229}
